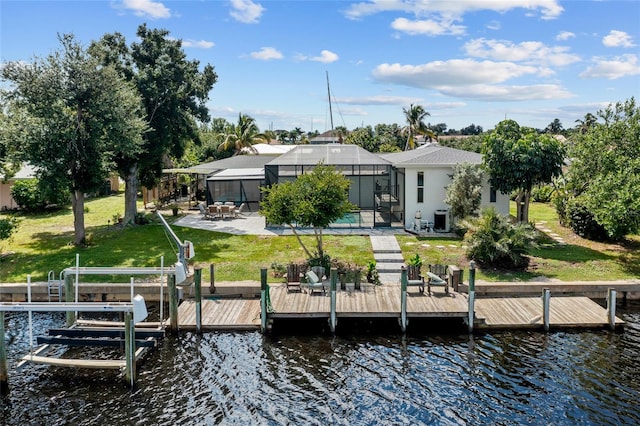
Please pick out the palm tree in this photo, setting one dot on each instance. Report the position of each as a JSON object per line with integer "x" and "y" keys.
{"x": 242, "y": 135}
{"x": 415, "y": 116}
{"x": 588, "y": 122}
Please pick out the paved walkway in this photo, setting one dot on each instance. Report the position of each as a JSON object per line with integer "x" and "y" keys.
{"x": 388, "y": 257}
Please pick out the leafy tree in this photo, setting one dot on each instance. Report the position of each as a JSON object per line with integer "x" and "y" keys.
{"x": 80, "y": 116}
{"x": 492, "y": 240}
{"x": 174, "y": 92}
{"x": 471, "y": 130}
{"x": 7, "y": 227}
{"x": 415, "y": 125}
{"x": 242, "y": 136}
{"x": 468, "y": 143}
{"x": 518, "y": 158}
{"x": 605, "y": 171}
{"x": 464, "y": 194}
{"x": 314, "y": 199}
{"x": 9, "y": 126}
{"x": 362, "y": 137}
{"x": 390, "y": 135}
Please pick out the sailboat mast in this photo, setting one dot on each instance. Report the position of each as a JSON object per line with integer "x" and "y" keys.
{"x": 330, "y": 110}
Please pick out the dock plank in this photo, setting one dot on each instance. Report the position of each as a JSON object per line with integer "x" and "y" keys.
{"x": 108, "y": 364}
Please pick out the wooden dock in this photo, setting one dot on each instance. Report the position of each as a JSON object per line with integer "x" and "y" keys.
{"x": 384, "y": 302}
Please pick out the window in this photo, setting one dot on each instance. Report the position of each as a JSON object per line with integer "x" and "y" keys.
{"x": 421, "y": 187}
{"x": 492, "y": 195}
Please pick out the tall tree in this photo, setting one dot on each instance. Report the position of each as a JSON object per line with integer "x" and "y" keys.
{"x": 79, "y": 117}
{"x": 605, "y": 171}
{"x": 587, "y": 123}
{"x": 518, "y": 158}
{"x": 174, "y": 91}
{"x": 415, "y": 125}
{"x": 555, "y": 127}
{"x": 242, "y": 136}
{"x": 314, "y": 199}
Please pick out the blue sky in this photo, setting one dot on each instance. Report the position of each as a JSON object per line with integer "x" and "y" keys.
{"x": 465, "y": 61}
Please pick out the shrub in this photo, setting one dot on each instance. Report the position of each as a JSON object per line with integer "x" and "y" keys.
{"x": 542, "y": 193}
{"x": 582, "y": 221}
{"x": 492, "y": 240}
{"x": 28, "y": 196}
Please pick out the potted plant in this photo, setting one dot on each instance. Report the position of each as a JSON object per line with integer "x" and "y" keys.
{"x": 174, "y": 208}
{"x": 372, "y": 273}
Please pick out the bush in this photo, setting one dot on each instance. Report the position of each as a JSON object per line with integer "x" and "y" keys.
{"x": 492, "y": 240}
{"x": 28, "y": 196}
{"x": 581, "y": 220}
{"x": 542, "y": 193}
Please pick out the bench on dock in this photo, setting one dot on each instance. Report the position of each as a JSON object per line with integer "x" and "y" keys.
{"x": 438, "y": 276}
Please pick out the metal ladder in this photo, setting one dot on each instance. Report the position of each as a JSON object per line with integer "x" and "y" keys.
{"x": 54, "y": 287}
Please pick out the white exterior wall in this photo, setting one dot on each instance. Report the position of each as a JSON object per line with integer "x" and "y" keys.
{"x": 436, "y": 180}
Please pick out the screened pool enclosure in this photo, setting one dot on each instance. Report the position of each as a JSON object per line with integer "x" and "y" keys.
{"x": 376, "y": 188}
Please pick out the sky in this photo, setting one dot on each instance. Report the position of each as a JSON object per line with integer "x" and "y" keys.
{"x": 465, "y": 61}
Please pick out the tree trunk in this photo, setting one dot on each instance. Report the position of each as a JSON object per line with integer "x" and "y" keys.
{"x": 293, "y": 229}
{"x": 77, "y": 202}
{"x": 525, "y": 207}
{"x": 130, "y": 195}
{"x": 519, "y": 206}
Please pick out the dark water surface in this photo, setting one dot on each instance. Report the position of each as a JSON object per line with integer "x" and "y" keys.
{"x": 373, "y": 377}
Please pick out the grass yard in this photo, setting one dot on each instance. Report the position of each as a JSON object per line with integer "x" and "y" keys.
{"x": 43, "y": 243}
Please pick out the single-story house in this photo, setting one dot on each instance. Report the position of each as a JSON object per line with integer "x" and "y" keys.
{"x": 6, "y": 200}
{"x": 424, "y": 174}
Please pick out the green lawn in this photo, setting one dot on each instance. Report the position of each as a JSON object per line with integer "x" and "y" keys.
{"x": 43, "y": 243}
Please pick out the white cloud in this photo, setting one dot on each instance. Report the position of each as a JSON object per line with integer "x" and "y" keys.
{"x": 267, "y": 54}
{"x": 622, "y": 66}
{"x": 147, "y": 8}
{"x": 495, "y": 93}
{"x": 494, "y": 25}
{"x": 565, "y": 35}
{"x": 550, "y": 9}
{"x": 379, "y": 100}
{"x": 202, "y": 44}
{"x": 527, "y": 51}
{"x": 246, "y": 11}
{"x": 618, "y": 39}
{"x": 326, "y": 57}
{"x": 427, "y": 27}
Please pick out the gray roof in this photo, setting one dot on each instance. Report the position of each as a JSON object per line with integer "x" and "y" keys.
{"x": 331, "y": 154}
{"x": 236, "y": 162}
{"x": 432, "y": 155}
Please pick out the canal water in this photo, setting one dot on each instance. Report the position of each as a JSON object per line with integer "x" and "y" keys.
{"x": 436, "y": 374}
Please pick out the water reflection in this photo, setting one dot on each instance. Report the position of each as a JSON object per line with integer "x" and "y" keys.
{"x": 436, "y": 374}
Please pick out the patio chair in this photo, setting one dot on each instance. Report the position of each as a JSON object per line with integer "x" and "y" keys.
{"x": 415, "y": 278}
{"x": 314, "y": 283}
{"x": 293, "y": 277}
{"x": 204, "y": 212}
{"x": 438, "y": 276}
{"x": 237, "y": 212}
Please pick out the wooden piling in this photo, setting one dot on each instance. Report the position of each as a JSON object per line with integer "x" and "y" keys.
{"x": 263, "y": 300}
{"x": 4, "y": 368}
{"x": 212, "y": 279}
{"x": 472, "y": 295}
{"x": 546, "y": 298}
{"x": 198, "y": 296}
{"x": 611, "y": 308}
{"x": 173, "y": 304}
{"x": 129, "y": 349}
{"x": 333, "y": 320}
{"x": 403, "y": 299}
{"x": 68, "y": 297}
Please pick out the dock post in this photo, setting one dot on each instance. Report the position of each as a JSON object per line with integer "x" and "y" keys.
{"x": 129, "y": 349}
{"x": 68, "y": 297}
{"x": 173, "y": 304}
{"x": 403, "y": 299}
{"x": 472, "y": 295}
{"x": 263, "y": 299}
{"x": 4, "y": 369}
{"x": 332, "y": 315}
{"x": 611, "y": 308}
{"x": 198, "y": 284}
{"x": 212, "y": 279}
{"x": 546, "y": 297}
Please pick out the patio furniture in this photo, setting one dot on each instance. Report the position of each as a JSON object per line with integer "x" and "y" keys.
{"x": 238, "y": 211}
{"x": 438, "y": 276}
{"x": 214, "y": 211}
{"x": 226, "y": 210}
{"x": 415, "y": 278}
{"x": 293, "y": 276}
{"x": 206, "y": 214}
{"x": 314, "y": 283}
